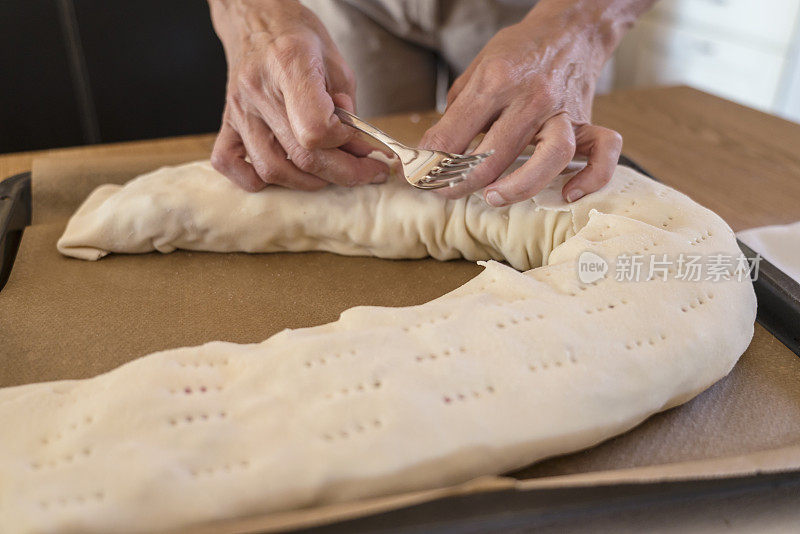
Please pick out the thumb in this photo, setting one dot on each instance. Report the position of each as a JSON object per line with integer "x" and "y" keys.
{"x": 309, "y": 109}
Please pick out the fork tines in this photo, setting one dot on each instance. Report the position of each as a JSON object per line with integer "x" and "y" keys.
{"x": 452, "y": 170}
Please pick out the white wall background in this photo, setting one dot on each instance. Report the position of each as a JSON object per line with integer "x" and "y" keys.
{"x": 747, "y": 51}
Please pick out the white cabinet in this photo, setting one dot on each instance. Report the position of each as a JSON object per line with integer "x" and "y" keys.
{"x": 760, "y": 21}
{"x": 743, "y": 50}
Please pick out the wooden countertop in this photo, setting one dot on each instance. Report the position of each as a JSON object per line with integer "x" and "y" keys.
{"x": 741, "y": 163}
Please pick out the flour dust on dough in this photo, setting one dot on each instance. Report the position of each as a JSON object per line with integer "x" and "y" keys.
{"x": 517, "y": 365}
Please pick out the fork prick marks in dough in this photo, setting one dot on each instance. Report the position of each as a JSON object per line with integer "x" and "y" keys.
{"x": 545, "y": 365}
{"x": 651, "y": 341}
{"x": 606, "y": 307}
{"x": 202, "y": 417}
{"x": 473, "y": 394}
{"x": 197, "y": 364}
{"x": 328, "y": 359}
{"x": 700, "y": 300}
{"x": 227, "y": 468}
{"x": 65, "y": 459}
{"x": 80, "y": 499}
{"x": 72, "y": 426}
{"x": 360, "y": 387}
{"x": 198, "y": 389}
{"x": 439, "y": 355}
{"x": 432, "y": 321}
{"x": 355, "y": 429}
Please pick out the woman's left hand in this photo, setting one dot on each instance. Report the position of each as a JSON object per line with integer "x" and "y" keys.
{"x": 533, "y": 83}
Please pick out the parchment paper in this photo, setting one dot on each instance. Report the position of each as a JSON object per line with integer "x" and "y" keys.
{"x": 65, "y": 318}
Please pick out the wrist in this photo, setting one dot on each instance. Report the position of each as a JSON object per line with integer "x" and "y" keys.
{"x": 599, "y": 23}
{"x": 237, "y": 21}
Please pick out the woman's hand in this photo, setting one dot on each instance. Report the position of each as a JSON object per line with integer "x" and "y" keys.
{"x": 285, "y": 76}
{"x": 533, "y": 83}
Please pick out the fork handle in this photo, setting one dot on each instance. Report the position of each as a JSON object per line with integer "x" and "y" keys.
{"x": 351, "y": 120}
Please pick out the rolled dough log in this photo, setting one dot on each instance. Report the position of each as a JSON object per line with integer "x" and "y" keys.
{"x": 508, "y": 369}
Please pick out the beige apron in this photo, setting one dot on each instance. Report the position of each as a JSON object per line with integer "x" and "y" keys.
{"x": 400, "y": 48}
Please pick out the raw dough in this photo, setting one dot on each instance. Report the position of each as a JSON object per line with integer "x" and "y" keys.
{"x": 192, "y": 207}
{"x": 508, "y": 369}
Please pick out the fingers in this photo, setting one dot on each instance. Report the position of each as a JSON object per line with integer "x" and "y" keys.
{"x": 309, "y": 109}
{"x": 309, "y": 106}
{"x": 337, "y": 166}
{"x": 281, "y": 126}
{"x": 507, "y": 137}
{"x": 459, "y": 84}
{"x": 464, "y": 118}
{"x": 342, "y": 81}
{"x": 555, "y": 148}
{"x": 269, "y": 159}
{"x": 334, "y": 165}
{"x": 602, "y": 148}
{"x": 228, "y": 157}
{"x": 269, "y": 164}
{"x": 344, "y": 101}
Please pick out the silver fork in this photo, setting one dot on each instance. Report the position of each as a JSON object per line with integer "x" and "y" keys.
{"x": 425, "y": 169}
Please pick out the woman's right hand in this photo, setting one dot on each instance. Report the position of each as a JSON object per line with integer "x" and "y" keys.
{"x": 285, "y": 76}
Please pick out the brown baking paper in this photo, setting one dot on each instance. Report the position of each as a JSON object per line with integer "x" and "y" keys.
{"x": 65, "y": 318}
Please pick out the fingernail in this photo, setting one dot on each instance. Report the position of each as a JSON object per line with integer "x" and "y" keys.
{"x": 380, "y": 178}
{"x": 494, "y": 199}
{"x": 574, "y": 195}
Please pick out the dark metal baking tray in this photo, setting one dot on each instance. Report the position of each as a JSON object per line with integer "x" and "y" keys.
{"x": 519, "y": 511}
{"x": 15, "y": 215}
{"x": 778, "y": 302}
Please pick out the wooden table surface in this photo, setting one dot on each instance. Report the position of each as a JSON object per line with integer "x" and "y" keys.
{"x": 741, "y": 163}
